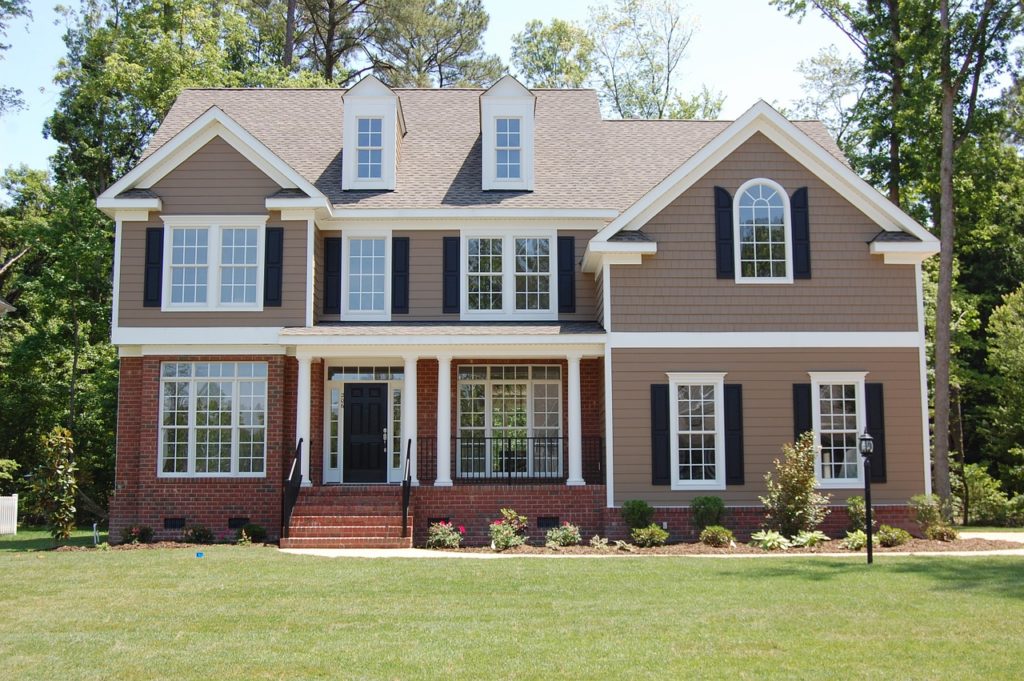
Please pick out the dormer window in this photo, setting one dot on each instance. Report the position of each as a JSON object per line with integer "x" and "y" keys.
{"x": 763, "y": 237}
{"x": 370, "y": 148}
{"x": 508, "y": 149}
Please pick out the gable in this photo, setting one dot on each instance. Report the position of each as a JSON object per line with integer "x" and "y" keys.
{"x": 217, "y": 178}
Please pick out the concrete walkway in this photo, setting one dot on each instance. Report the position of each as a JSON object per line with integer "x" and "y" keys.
{"x": 998, "y": 536}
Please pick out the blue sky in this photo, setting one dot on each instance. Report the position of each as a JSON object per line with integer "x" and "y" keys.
{"x": 745, "y": 48}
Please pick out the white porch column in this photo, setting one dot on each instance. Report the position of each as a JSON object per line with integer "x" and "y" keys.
{"x": 444, "y": 421}
{"x": 409, "y": 419}
{"x": 575, "y": 423}
{"x": 303, "y": 401}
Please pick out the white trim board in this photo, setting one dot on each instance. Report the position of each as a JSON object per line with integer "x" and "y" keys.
{"x": 765, "y": 339}
{"x": 185, "y": 336}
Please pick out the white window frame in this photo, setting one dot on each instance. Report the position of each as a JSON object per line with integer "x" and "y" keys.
{"x": 346, "y": 272}
{"x": 491, "y": 109}
{"x": 518, "y": 179}
{"x": 676, "y": 379}
{"x": 508, "y": 276}
{"x": 214, "y": 224}
{"x": 382, "y": 148}
{"x": 788, "y": 221}
{"x": 235, "y": 437}
{"x": 360, "y": 106}
{"x": 818, "y": 378}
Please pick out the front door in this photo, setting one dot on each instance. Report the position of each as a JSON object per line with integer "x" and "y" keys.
{"x": 365, "y": 432}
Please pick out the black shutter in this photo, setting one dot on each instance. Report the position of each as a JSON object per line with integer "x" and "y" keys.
{"x": 734, "y": 435}
{"x": 803, "y": 419}
{"x": 450, "y": 268}
{"x": 332, "y": 275}
{"x": 566, "y": 274}
{"x": 153, "y": 277}
{"x": 724, "y": 256}
{"x": 400, "y": 275}
{"x": 660, "y": 435}
{"x": 875, "y": 423}
{"x": 273, "y": 261}
{"x": 801, "y": 234}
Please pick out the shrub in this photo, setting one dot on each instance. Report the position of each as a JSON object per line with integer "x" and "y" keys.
{"x": 986, "y": 501}
{"x": 716, "y": 535}
{"x": 197, "y": 534}
{"x": 7, "y": 469}
{"x": 769, "y": 540}
{"x": 652, "y": 535}
{"x": 707, "y": 511}
{"x": 508, "y": 531}
{"x": 599, "y": 542}
{"x": 256, "y": 533}
{"x": 1015, "y": 511}
{"x": 444, "y": 535}
{"x": 856, "y": 509}
{"x": 855, "y": 541}
{"x": 54, "y": 485}
{"x": 809, "y": 540}
{"x": 624, "y": 546}
{"x": 637, "y": 513}
{"x": 793, "y": 503}
{"x": 243, "y": 538}
{"x": 941, "y": 533}
{"x": 137, "y": 534}
{"x": 566, "y": 535}
{"x": 927, "y": 510}
{"x": 892, "y": 536}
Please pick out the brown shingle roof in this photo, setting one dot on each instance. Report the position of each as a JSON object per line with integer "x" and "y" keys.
{"x": 582, "y": 161}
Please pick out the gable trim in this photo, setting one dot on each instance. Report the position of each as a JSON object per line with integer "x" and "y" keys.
{"x": 764, "y": 119}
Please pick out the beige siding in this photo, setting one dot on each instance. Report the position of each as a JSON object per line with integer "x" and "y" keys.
{"x": 216, "y": 180}
{"x": 767, "y": 377}
{"x": 677, "y": 289}
{"x": 293, "y": 284}
{"x": 599, "y": 297}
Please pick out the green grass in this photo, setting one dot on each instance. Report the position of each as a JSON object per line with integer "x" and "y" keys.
{"x": 254, "y": 613}
{"x": 980, "y": 528}
{"x": 37, "y": 539}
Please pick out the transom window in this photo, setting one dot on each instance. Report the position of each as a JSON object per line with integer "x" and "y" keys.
{"x": 763, "y": 240}
{"x": 697, "y": 415}
{"x": 211, "y": 265}
{"x": 370, "y": 148}
{"x": 509, "y": 275}
{"x": 509, "y": 421}
{"x": 213, "y": 419}
{"x": 367, "y": 265}
{"x": 838, "y": 413}
{"x": 508, "y": 149}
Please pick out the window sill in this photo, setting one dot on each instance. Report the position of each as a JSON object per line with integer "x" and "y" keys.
{"x": 211, "y": 476}
{"x": 695, "y": 487}
{"x": 841, "y": 484}
{"x": 207, "y": 308}
{"x": 764, "y": 280}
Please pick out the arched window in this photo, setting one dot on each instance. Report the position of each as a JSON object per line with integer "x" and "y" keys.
{"x": 764, "y": 243}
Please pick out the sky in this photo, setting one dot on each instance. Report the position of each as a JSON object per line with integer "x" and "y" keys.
{"x": 743, "y": 48}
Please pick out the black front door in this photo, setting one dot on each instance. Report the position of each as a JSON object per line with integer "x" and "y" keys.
{"x": 365, "y": 445}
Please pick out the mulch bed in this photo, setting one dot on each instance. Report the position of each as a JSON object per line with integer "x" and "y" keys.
{"x": 685, "y": 549}
{"x": 145, "y": 547}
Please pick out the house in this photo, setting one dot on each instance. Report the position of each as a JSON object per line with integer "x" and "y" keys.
{"x": 535, "y": 307}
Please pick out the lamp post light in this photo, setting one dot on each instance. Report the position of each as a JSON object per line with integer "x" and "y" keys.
{"x": 866, "y": 445}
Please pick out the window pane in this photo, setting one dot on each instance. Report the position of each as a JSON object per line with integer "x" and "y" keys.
{"x": 837, "y": 405}
{"x": 189, "y": 259}
{"x": 507, "y": 148}
{"x": 366, "y": 275}
{"x": 696, "y": 435}
{"x": 369, "y": 148}
{"x": 533, "y": 263}
{"x": 485, "y": 273}
{"x": 239, "y": 266}
{"x": 762, "y": 231}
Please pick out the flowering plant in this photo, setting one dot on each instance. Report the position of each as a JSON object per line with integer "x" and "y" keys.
{"x": 508, "y": 531}
{"x": 566, "y": 535}
{"x": 444, "y": 535}
{"x": 137, "y": 534}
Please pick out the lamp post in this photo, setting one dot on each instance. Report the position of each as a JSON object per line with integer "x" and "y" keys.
{"x": 866, "y": 445}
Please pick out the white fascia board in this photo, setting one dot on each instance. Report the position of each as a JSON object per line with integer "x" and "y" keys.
{"x": 213, "y": 123}
{"x": 759, "y": 339}
{"x": 381, "y": 340}
{"x": 151, "y": 350}
{"x": 210, "y": 336}
{"x": 115, "y": 207}
{"x": 594, "y": 259}
{"x": 498, "y": 351}
{"x": 311, "y": 203}
{"x": 764, "y": 119}
{"x": 342, "y": 213}
{"x": 904, "y": 253}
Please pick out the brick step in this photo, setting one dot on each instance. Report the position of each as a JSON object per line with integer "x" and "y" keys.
{"x": 345, "y": 509}
{"x": 346, "y": 531}
{"x": 346, "y": 543}
{"x": 348, "y": 519}
{"x": 348, "y": 491}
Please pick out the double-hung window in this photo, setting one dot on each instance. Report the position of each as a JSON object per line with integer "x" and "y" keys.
{"x": 370, "y": 148}
{"x": 838, "y": 410}
{"x": 697, "y": 416}
{"x": 366, "y": 280}
{"x": 764, "y": 243}
{"x": 509, "y": 421}
{"x": 213, "y": 419}
{"x": 508, "y": 149}
{"x": 213, "y": 262}
{"x": 509, "y": 276}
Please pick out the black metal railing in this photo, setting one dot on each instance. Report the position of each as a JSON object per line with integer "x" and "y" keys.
{"x": 407, "y": 488}
{"x": 508, "y": 457}
{"x": 426, "y": 461}
{"x": 292, "y": 485}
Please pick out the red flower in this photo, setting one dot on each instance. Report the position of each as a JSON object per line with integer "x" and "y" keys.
{"x": 462, "y": 529}
{"x": 565, "y": 523}
{"x": 498, "y": 522}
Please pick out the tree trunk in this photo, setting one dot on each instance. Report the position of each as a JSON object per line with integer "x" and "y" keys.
{"x": 943, "y": 302}
{"x": 896, "y": 66}
{"x": 289, "y": 34}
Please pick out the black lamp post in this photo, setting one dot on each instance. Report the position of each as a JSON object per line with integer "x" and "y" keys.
{"x": 866, "y": 445}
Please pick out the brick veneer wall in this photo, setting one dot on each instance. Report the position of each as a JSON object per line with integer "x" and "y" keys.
{"x": 142, "y": 497}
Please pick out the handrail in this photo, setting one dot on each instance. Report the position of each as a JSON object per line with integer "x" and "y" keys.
{"x": 292, "y": 485}
{"x": 406, "y": 489}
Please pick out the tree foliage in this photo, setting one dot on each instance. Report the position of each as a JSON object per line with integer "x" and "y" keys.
{"x": 554, "y": 55}
{"x": 54, "y": 487}
{"x": 10, "y": 98}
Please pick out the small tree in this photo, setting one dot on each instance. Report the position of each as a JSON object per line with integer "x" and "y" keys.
{"x": 793, "y": 503}
{"x": 53, "y": 483}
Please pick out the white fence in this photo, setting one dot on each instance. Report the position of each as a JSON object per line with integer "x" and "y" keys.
{"x": 9, "y": 514}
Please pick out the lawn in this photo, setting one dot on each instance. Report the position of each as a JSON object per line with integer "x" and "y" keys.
{"x": 254, "y": 613}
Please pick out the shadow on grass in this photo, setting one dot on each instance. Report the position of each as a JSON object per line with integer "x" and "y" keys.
{"x": 35, "y": 539}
